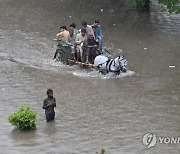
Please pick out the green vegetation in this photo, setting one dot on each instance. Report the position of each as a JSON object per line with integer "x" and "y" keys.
{"x": 101, "y": 152}
{"x": 23, "y": 119}
{"x": 172, "y": 6}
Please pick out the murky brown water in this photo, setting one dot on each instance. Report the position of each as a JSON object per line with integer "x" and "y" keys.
{"x": 92, "y": 112}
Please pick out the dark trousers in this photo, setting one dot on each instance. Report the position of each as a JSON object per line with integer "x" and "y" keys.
{"x": 50, "y": 117}
{"x": 92, "y": 55}
{"x": 89, "y": 54}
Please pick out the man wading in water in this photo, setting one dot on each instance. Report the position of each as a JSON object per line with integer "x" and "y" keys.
{"x": 48, "y": 104}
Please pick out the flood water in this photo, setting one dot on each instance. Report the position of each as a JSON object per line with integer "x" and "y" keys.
{"x": 93, "y": 111}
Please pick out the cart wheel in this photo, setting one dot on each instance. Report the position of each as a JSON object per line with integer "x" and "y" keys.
{"x": 60, "y": 55}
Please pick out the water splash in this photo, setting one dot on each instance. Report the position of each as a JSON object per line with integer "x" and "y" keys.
{"x": 96, "y": 75}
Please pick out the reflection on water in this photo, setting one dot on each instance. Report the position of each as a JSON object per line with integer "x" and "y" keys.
{"x": 50, "y": 128}
{"x": 23, "y": 135}
{"x": 93, "y": 111}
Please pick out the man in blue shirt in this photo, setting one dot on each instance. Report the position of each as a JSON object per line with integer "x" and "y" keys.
{"x": 98, "y": 34}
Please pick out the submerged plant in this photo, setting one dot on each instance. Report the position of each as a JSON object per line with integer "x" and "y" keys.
{"x": 101, "y": 152}
{"x": 24, "y": 118}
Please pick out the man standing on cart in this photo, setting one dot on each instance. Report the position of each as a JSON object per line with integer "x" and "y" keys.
{"x": 90, "y": 49}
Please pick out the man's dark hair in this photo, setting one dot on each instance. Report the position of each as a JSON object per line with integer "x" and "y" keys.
{"x": 83, "y": 30}
{"x": 49, "y": 91}
{"x": 84, "y": 23}
{"x": 63, "y": 27}
{"x": 96, "y": 21}
{"x": 72, "y": 25}
{"x": 93, "y": 26}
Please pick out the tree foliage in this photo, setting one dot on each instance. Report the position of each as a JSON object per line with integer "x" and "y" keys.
{"x": 23, "y": 119}
{"x": 171, "y": 5}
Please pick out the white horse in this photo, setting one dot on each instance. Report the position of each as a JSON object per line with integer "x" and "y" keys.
{"x": 109, "y": 65}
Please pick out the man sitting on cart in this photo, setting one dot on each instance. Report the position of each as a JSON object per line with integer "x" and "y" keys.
{"x": 71, "y": 42}
{"x": 61, "y": 38}
{"x": 80, "y": 38}
{"x": 62, "y": 35}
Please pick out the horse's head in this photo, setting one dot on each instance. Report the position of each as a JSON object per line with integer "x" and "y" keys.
{"x": 122, "y": 63}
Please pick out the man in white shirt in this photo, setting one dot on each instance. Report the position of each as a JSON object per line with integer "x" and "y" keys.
{"x": 80, "y": 40}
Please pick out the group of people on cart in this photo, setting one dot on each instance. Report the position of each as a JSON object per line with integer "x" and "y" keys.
{"x": 85, "y": 43}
